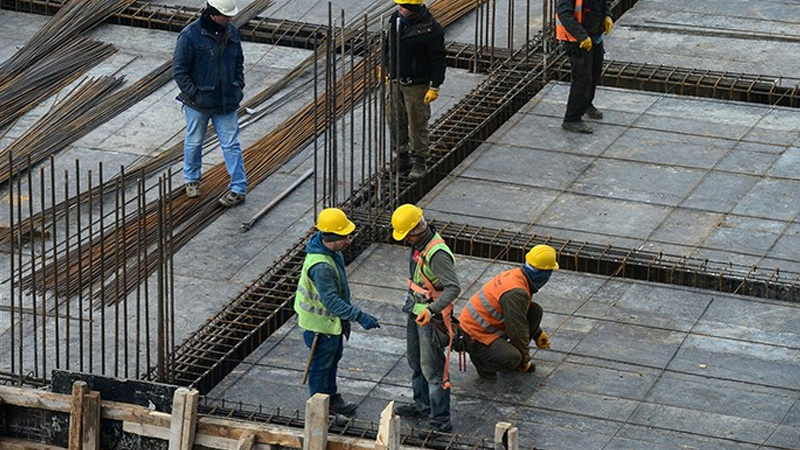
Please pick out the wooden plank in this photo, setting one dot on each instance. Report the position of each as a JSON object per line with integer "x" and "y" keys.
{"x": 506, "y": 436}
{"x": 7, "y": 443}
{"x": 316, "y": 428}
{"x": 389, "y": 430}
{"x": 246, "y": 441}
{"x": 91, "y": 421}
{"x": 79, "y": 390}
{"x": 178, "y": 412}
{"x": 189, "y": 419}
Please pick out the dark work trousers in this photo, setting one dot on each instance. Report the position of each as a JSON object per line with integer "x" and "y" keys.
{"x": 587, "y": 68}
{"x": 324, "y": 362}
{"x": 408, "y": 117}
{"x": 500, "y": 355}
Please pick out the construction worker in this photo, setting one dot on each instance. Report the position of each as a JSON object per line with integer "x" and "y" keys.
{"x": 580, "y": 26}
{"x": 501, "y": 319}
{"x": 322, "y": 304}
{"x": 414, "y": 57}
{"x": 208, "y": 66}
{"x": 433, "y": 286}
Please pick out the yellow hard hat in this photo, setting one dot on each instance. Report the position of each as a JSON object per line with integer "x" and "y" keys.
{"x": 409, "y": 2}
{"x": 542, "y": 257}
{"x": 334, "y": 220}
{"x": 404, "y": 219}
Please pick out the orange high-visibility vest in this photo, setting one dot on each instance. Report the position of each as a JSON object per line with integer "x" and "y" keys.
{"x": 561, "y": 31}
{"x": 483, "y": 317}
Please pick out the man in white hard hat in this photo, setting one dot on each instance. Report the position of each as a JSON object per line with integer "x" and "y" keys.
{"x": 208, "y": 66}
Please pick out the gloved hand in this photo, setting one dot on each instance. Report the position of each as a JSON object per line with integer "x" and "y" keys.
{"x": 586, "y": 44}
{"x": 527, "y": 367}
{"x": 424, "y": 317}
{"x": 382, "y": 75}
{"x": 368, "y": 321}
{"x": 431, "y": 95}
{"x": 608, "y": 24}
{"x": 543, "y": 341}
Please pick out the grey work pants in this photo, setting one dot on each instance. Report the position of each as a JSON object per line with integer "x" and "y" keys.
{"x": 408, "y": 117}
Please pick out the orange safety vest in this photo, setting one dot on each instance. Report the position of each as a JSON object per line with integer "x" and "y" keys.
{"x": 483, "y": 317}
{"x": 561, "y": 31}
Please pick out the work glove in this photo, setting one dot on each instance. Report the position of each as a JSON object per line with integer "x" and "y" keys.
{"x": 383, "y": 76}
{"x": 608, "y": 24}
{"x": 431, "y": 95}
{"x": 527, "y": 367}
{"x": 368, "y": 321}
{"x": 586, "y": 44}
{"x": 543, "y": 341}
{"x": 424, "y": 317}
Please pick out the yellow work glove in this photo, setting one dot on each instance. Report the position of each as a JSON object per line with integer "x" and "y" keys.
{"x": 543, "y": 341}
{"x": 586, "y": 44}
{"x": 431, "y": 95}
{"x": 608, "y": 24}
{"x": 527, "y": 367}
{"x": 424, "y": 317}
{"x": 382, "y": 77}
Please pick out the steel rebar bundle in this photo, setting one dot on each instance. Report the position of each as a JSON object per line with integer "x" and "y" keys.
{"x": 72, "y": 118}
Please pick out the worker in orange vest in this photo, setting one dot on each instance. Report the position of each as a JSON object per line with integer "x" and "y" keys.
{"x": 501, "y": 319}
{"x": 580, "y": 26}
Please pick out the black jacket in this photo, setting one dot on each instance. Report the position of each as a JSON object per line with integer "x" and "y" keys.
{"x": 421, "y": 44}
{"x": 595, "y": 12}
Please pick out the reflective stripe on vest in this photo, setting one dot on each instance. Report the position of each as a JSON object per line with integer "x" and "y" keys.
{"x": 311, "y": 313}
{"x": 427, "y": 286}
{"x": 483, "y": 317}
{"x": 561, "y": 31}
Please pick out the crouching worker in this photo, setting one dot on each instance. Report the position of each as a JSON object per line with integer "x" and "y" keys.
{"x": 323, "y": 308}
{"x": 501, "y": 319}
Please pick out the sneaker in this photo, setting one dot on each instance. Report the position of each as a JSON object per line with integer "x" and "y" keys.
{"x": 594, "y": 113}
{"x": 578, "y": 127}
{"x": 193, "y": 189}
{"x": 418, "y": 171}
{"x": 339, "y": 406}
{"x": 411, "y": 411}
{"x": 231, "y": 199}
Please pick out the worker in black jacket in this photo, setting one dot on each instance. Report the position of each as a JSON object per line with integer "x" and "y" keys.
{"x": 414, "y": 59}
{"x": 580, "y": 26}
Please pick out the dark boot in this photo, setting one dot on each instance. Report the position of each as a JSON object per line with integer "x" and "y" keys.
{"x": 402, "y": 163}
{"x": 419, "y": 170}
{"x": 594, "y": 113}
{"x": 339, "y": 406}
{"x": 411, "y": 410}
{"x": 578, "y": 126}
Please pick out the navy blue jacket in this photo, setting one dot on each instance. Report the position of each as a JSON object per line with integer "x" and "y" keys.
{"x": 328, "y": 284}
{"x": 595, "y": 12}
{"x": 209, "y": 68}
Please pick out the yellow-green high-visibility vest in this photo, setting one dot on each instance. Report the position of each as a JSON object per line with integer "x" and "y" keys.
{"x": 423, "y": 267}
{"x": 311, "y": 313}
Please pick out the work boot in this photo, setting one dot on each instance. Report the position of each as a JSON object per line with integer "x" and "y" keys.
{"x": 594, "y": 113}
{"x": 419, "y": 169}
{"x": 402, "y": 163}
{"x": 339, "y": 406}
{"x": 411, "y": 410}
{"x": 435, "y": 428}
{"x": 578, "y": 126}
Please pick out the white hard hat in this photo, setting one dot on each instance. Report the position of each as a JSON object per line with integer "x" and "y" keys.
{"x": 226, "y": 7}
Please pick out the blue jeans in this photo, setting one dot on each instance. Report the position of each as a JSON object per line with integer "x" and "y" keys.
{"x": 426, "y": 358}
{"x": 324, "y": 363}
{"x": 227, "y": 129}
